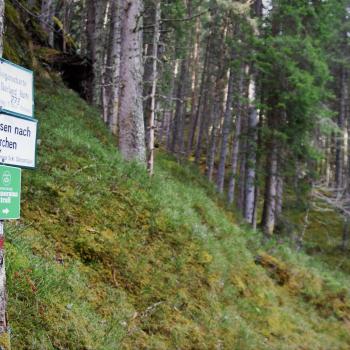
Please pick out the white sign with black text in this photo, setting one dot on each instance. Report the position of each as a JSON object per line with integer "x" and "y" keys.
{"x": 18, "y": 141}
{"x": 16, "y": 89}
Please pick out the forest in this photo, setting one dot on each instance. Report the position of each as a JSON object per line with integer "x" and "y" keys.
{"x": 192, "y": 188}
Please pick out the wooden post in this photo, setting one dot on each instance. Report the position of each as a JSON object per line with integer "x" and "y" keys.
{"x": 4, "y": 329}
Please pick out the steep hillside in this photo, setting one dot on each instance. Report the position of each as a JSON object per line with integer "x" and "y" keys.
{"x": 105, "y": 258}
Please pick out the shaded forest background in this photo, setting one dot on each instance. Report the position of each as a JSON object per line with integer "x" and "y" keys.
{"x": 254, "y": 92}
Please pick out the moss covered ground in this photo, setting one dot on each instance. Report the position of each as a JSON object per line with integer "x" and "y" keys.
{"x": 106, "y": 258}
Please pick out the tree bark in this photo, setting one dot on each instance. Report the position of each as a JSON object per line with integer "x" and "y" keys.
{"x": 177, "y": 144}
{"x": 226, "y": 130}
{"x": 46, "y": 18}
{"x": 112, "y": 72}
{"x": 215, "y": 119}
{"x": 236, "y": 143}
{"x": 339, "y": 158}
{"x": 269, "y": 211}
{"x": 252, "y": 138}
{"x": 131, "y": 122}
{"x": 195, "y": 100}
{"x": 150, "y": 124}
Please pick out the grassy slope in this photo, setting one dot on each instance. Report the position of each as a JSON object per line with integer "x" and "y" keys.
{"x": 105, "y": 258}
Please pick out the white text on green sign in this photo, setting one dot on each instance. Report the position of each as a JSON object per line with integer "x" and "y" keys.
{"x": 10, "y": 193}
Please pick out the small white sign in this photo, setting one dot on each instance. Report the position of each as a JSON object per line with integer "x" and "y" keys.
{"x": 16, "y": 89}
{"x": 18, "y": 141}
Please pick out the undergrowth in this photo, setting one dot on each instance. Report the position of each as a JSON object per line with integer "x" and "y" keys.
{"x": 105, "y": 258}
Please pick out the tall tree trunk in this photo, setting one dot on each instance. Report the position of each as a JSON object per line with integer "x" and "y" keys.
{"x": 196, "y": 96}
{"x": 177, "y": 144}
{"x": 67, "y": 17}
{"x": 95, "y": 46}
{"x": 339, "y": 158}
{"x": 252, "y": 138}
{"x": 236, "y": 143}
{"x": 150, "y": 124}
{"x": 269, "y": 211}
{"x": 131, "y": 122}
{"x": 46, "y": 18}
{"x": 112, "y": 72}
{"x": 215, "y": 119}
{"x": 226, "y": 130}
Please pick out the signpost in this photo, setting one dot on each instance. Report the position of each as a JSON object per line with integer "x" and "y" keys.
{"x": 18, "y": 134}
{"x": 10, "y": 193}
{"x": 16, "y": 89}
{"x": 18, "y": 141}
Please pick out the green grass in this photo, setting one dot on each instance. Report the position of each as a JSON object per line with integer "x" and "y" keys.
{"x": 105, "y": 258}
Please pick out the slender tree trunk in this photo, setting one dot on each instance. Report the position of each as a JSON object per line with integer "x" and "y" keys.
{"x": 67, "y": 16}
{"x": 236, "y": 144}
{"x": 177, "y": 144}
{"x": 99, "y": 43}
{"x": 339, "y": 158}
{"x": 252, "y": 137}
{"x": 279, "y": 194}
{"x": 171, "y": 105}
{"x": 196, "y": 97}
{"x": 269, "y": 211}
{"x": 46, "y": 18}
{"x": 112, "y": 73}
{"x": 215, "y": 119}
{"x": 131, "y": 122}
{"x": 150, "y": 124}
{"x": 226, "y": 130}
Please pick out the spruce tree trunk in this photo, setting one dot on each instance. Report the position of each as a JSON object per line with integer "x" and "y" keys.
{"x": 236, "y": 144}
{"x": 67, "y": 17}
{"x": 112, "y": 72}
{"x": 151, "y": 120}
{"x": 226, "y": 130}
{"x": 131, "y": 122}
{"x": 177, "y": 144}
{"x": 196, "y": 95}
{"x": 252, "y": 138}
{"x": 215, "y": 119}
{"x": 279, "y": 193}
{"x": 269, "y": 211}
{"x": 98, "y": 42}
{"x": 339, "y": 158}
{"x": 46, "y": 18}
{"x": 198, "y": 110}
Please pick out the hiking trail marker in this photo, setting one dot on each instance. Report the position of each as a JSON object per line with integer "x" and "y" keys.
{"x": 10, "y": 193}
{"x": 18, "y": 138}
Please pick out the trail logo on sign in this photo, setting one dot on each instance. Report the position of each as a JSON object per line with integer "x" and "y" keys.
{"x": 6, "y": 178}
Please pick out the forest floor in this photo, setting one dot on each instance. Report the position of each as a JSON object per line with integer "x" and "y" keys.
{"x": 106, "y": 258}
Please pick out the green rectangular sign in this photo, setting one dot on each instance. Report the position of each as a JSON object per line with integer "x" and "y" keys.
{"x": 10, "y": 193}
